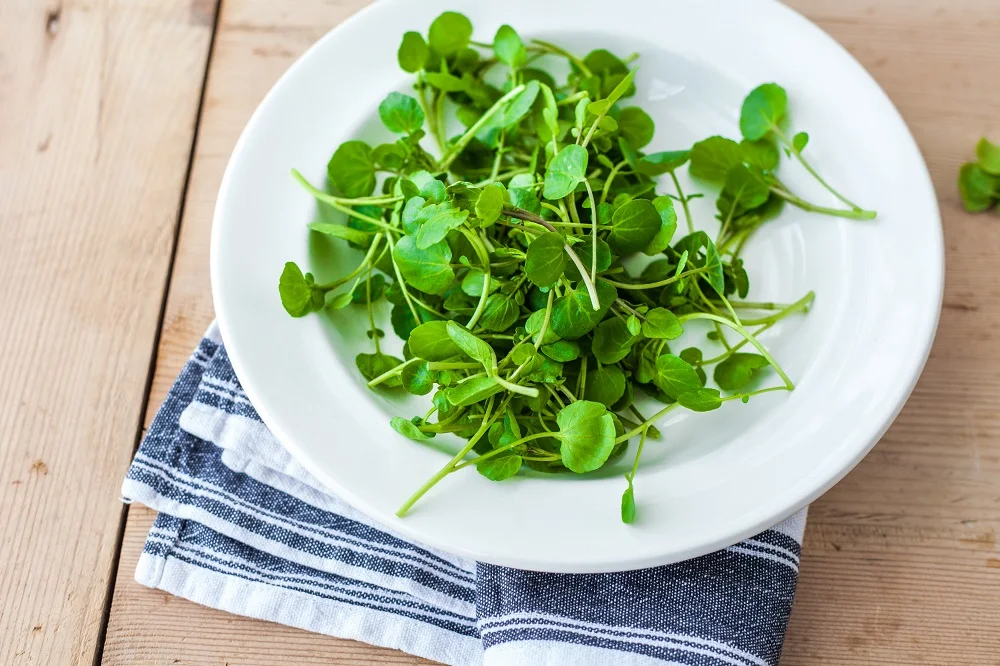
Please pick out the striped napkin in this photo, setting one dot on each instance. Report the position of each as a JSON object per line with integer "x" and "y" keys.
{"x": 244, "y": 528}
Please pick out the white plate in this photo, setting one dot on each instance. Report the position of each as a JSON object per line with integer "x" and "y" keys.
{"x": 716, "y": 478}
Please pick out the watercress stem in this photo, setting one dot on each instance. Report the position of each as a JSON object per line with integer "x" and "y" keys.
{"x": 464, "y": 140}
{"x": 684, "y": 202}
{"x": 747, "y": 335}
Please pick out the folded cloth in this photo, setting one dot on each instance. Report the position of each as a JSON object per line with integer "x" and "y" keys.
{"x": 244, "y": 528}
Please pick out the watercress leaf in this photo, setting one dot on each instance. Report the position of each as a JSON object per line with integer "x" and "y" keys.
{"x": 407, "y": 429}
{"x": 413, "y": 214}
{"x": 522, "y": 353}
{"x": 401, "y": 113}
{"x": 700, "y": 400}
{"x": 586, "y": 435}
{"x": 634, "y": 325}
{"x": 738, "y": 370}
{"x": 762, "y": 154}
{"x": 977, "y": 187}
{"x": 437, "y": 226}
{"x": 373, "y": 291}
{"x": 563, "y": 351}
{"x": 430, "y": 341}
{"x": 525, "y": 197}
{"x": 518, "y": 107}
{"x": 714, "y": 275}
{"x": 566, "y": 170}
{"x": 413, "y": 52}
{"x": 473, "y": 283}
{"x": 612, "y": 341}
{"x": 295, "y": 292}
{"x": 338, "y": 302}
{"x": 546, "y": 259}
{"x": 584, "y": 251}
{"x": 446, "y": 82}
{"x": 352, "y": 170}
{"x": 623, "y": 403}
{"x": 633, "y": 226}
{"x": 534, "y": 326}
{"x": 605, "y": 385}
{"x": 636, "y": 126}
{"x": 499, "y": 467}
{"x": 602, "y": 61}
{"x": 500, "y": 313}
{"x": 433, "y": 190}
{"x": 427, "y": 269}
{"x": 473, "y": 390}
{"x": 573, "y": 315}
{"x": 668, "y": 225}
{"x": 372, "y": 365}
{"x": 744, "y": 190}
{"x": 417, "y": 378}
{"x": 402, "y": 320}
{"x": 988, "y": 156}
{"x": 662, "y": 324}
{"x": 712, "y": 158}
{"x": 623, "y": 89}
{"x": 691, "y": 355}
{"x": 628, "y": 503}
{"x": 475, "y": 348}
{"x": 341, "y": 231}
{"x": 763, "y": 110}
{"x": 674, "y": 375}
{"x": 389, "y": 155}
{"x": 489, "y": 205}
{"x": 656, "y": 164}
{"x": 509, "y": 48}
{"x": 799, "y": 141}
{"x": 628, "y": 152}
{"x": 449, "y": 33}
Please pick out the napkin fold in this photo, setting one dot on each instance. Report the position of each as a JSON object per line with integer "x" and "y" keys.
{"x": 244, "y": 528}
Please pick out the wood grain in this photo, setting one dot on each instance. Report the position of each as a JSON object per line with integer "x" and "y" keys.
{"x": 98, "y": 102}
{"x": 901, "y": 564}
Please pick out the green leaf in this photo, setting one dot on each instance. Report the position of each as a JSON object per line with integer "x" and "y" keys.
{"x": 622, "y": 88}
{"x": 518, "y": 107}
{"x": 352, "y": 170}
{"x": 799, "y": 141}
{"x": 691, "y": 355}
{"x": 977, "y": 187}
{"x": 662, "y": 324}
{"x": 633, "y": 226}
{"x": 389, "y": 155}
{"x": 473, "y": 390}
{"x": 762, "y": 154}
{"x": 534, "y": 326}
{"x": 738, "y": 370}
{"x": 763, "y": 110}
{"x": 509, "y": 48}
{"x": 656, "y": 164}
{"x": 374, "y": 289}
{"x": 605, "y": 385}
{"x": 566, "y": 170}
{"x": 712, "y": 158}
{"x": 449, "y": 33}
{"x": 744, "y": 191}
{"x": 489, "y": 205}
{"x": 602, "y": 61}
{"x": 340, "y": 301}
{"x": 546, "y": 259}
{"x": 341, "y": 231}
{"x": 475, "y": 348}
{"x": 628, "y": 503}
{"x": 988, "y": 155}
{"x": 431, "y": 342}
{"x": 612, "y": 341}
{"x": 668, "y": 225}
{"x": 714, "y": 275}
{"x": 374, "y": 365}
{"x": 436, "y": 228}
{"x": 295, "y": 292}
{"x": 473, "y": 283}
{"x": 573, "y": 315}
{"x": 433, "y": 190}
{"x": 674, "y": 376}
{"x": 407, "y": 429}
{"x": 563, "y": 351}
{"x": 584, "y": 251}
{"x": 427, "y": 269}
{"x": 522, "y": 353}
{"x": 446, "y": 82}
{"x": 417, "y": 378}
{"x": 500, "y": 313}
{"x": 401, "y": 113}
{"x": 634, "y": 325}
{"x": 413, "y": 52}
{"x": 700, "y": 400}
{"x": 500, "y": 467}
{"x": 636, "y": 126}
{"x": 586, "y": 435}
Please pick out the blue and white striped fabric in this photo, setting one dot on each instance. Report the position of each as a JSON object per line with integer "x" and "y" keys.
{"x": 243, "y": 528}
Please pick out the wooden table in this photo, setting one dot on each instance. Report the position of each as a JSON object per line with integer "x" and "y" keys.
{"x": 116, "y": 121}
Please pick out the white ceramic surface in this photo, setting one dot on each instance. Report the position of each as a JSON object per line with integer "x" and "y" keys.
{"x": 715, "y": 478}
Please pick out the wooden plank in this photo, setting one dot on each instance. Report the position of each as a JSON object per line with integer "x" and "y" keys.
{"x": 900, "y": 558}
{"x": 99, "y": 107}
